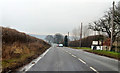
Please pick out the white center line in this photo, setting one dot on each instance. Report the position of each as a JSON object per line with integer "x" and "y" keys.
{"x": 73, "y": 55}
{"x": 82, "y": 61}
{"x": 94, "y": 69}
{"x": 66, "y": 51}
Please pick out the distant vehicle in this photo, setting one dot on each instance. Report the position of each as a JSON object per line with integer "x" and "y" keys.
{"x": 60, "y": 45}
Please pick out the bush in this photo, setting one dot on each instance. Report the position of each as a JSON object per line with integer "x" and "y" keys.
{"x": 86, "y": 42}
{"x": 19, "y": 48}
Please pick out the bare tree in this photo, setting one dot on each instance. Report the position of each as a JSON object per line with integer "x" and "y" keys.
{"x": 49, "y": 39}
{"x": 86, "y": 31}
{"x": 58, "y": 38}
{"x": 104, "y": 24}
{"x": 75, "y": 34}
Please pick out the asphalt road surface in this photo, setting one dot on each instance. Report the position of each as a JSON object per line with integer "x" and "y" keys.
{"x": 67, "y": 59}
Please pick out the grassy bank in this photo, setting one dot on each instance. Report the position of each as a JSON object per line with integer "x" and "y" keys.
{"x": 110, "y": 54}
{"x": 80, "y": 47}
{"x": 105, "y": 53}
{"x": 19, "y": 49}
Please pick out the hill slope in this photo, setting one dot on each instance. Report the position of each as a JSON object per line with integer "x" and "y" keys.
{"x": 19, "y": 49}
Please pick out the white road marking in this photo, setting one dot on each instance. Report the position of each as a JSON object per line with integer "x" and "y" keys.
{"x": 27, "y": 67}
{"x": 94, "y": 69}
{"x": 66, "y": 51}
{"x": 38, "y": 59}
{"x": 45, "y": 53}
{"x": 82, "y": 61}
{"x": 73, "y": 55}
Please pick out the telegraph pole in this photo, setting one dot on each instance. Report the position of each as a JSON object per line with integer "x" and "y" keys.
{"x": 68, "y": 39}
{"x": 81, "y": 35}
{"x": 112, "y": 26}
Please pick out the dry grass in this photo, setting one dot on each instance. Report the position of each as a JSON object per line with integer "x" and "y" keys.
{"x": 19, "y": 49}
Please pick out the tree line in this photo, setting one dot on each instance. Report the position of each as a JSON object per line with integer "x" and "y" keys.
{"x": 57, "y": 38}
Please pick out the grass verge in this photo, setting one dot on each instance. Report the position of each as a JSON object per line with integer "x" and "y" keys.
{"x": 80, "y": 47}
{"x": 14, "y": 64}
{"x": 110, "y": 54}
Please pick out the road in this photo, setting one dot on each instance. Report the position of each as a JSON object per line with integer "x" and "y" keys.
{"x": 67, "y": 59}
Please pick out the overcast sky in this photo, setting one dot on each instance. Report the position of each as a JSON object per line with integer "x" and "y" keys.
{"x": 51, "y": 16}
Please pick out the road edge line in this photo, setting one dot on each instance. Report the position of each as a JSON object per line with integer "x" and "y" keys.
{"x": 28, "y": 66}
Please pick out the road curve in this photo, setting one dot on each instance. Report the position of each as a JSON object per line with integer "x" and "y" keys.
{"x": 67, "y": 59}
